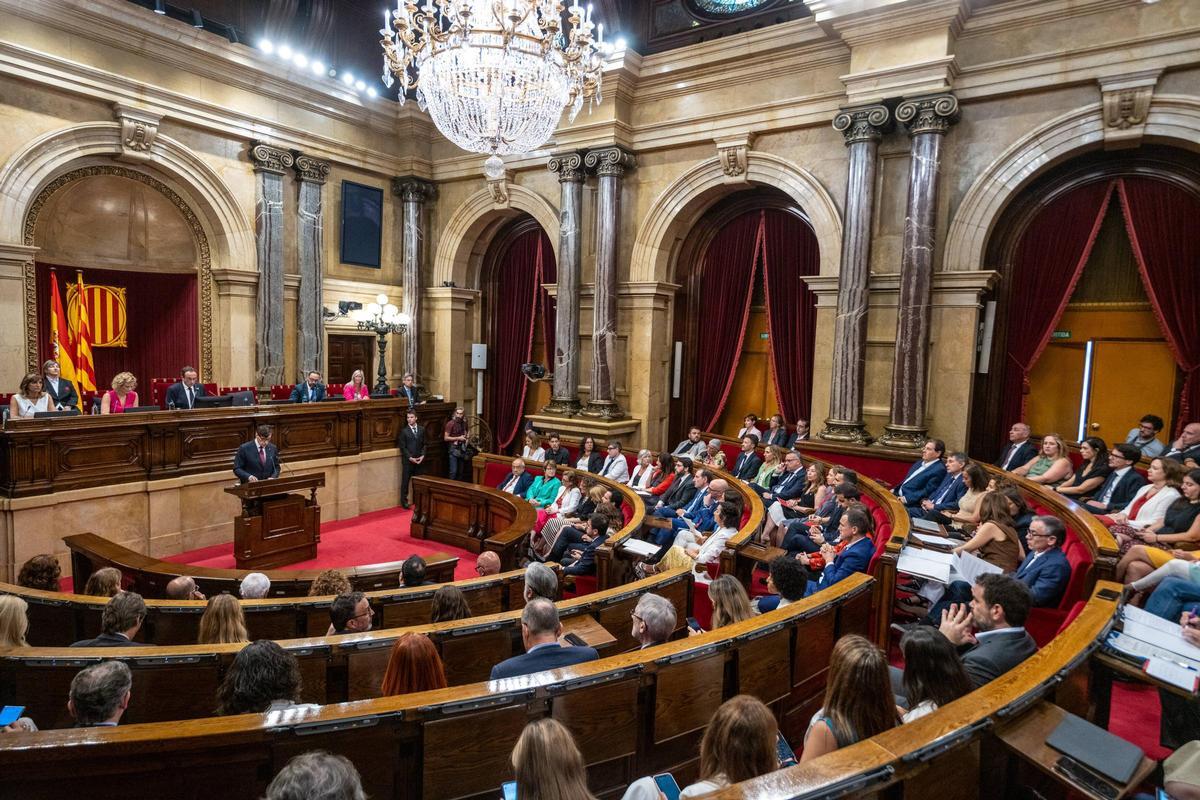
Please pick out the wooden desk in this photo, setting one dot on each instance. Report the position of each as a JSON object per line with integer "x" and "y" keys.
{"x": 587, "y": 628}
{"x": 475, "y": 518}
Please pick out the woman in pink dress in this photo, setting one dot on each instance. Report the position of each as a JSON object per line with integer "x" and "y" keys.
{"x": 357, "y": 388}
{"x": 121, "y": 396}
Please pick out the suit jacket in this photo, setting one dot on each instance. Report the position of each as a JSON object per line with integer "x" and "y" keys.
{"x": 1023, "y": 453}
{"x": 1047, "y": 577}
{"x": 747, "y": 466}
{"x": 1179, "y": 455}
{"x": 789, "y": 485}
{"x": 586, "y": 563}
{"x": 66, "y": 396}
{"x": 1126, "y": 488}
{"x": 852, "y": 559}
{"x": 108, "y": 640}
{"x": 996, "y": 655}
{"x": 618, "y": 470}
{"x": 954, "y": 486}
{"x": 912, "y": 492}
{"x": 412, "y": 445}
{"x": 300, "y": 394}
{"x": 779, "y": 437}
{"x": 543, "y": 658}
{"x": 246, "y": 463}
{"x": 687, "y": 447}
{"x": 177, "y": 394}
{"x": 523, "y": 483}
{"x": 411, "y": 395}
{"x": 595, "y": 461}
{"x": 682, "y": 491}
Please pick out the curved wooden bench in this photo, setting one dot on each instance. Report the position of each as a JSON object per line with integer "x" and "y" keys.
{"x": 180, "y": 682}
{"x": 634, "y": 714}
{"x": 475, "y": 518}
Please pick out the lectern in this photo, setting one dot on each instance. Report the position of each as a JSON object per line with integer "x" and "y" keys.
{"x": 279, "y": 525}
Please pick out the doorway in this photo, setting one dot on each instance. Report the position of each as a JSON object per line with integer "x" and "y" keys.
{"x": 348, "y": 352}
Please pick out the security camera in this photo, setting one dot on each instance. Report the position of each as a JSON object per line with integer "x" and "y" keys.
{"x": 534, "y": 372}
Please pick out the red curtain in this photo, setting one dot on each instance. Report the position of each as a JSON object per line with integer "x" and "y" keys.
{"x": 1161, "y": 220}
{"x": 1049, "y": 260}
{"x": 726, "y": 288}
{"x": 789, "y": 251}
{"x": 162, "y": 328}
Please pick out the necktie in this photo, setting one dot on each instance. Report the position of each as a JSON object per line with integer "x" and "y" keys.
{"x": 262, "y": 456}
{"x": 1107, "y": 492}
{"x": 189, "y": 396}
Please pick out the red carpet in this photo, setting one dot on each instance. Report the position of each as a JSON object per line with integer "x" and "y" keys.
{"x": 372, "y": 538}
{"x": 1135, "y": 715}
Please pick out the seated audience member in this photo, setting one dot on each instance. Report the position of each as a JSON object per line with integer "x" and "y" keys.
{"x": 120, "y": 621}
{"x": 654, "y": 620}
{"x": 1051, "y": 466}
{"x": 183, "y": 393}
{"x": 810, "y": 535}
{"x": 254, "y": 586}
{"x": 802, "y": 433}
{"x": 449, "y": 604}
{"x": 544, "y": 489}
{"x": 933, "y": 675}
{"x": 679, "y": 491}
{"x": 1186, "y": 448}
{"x": 784, "y": 510}
{"x": 713, "y": 455}
{"x": 787, "y": 582}
{"x": 1178, "y": 586}
{"x": 1018, "y": 509}
{"x": 645, "y": 473}
{"x": 412, "y": 572}
{"x": 40, "y": 572}
{"x": 772, "y": 466}
{"x": 330, "y": 581}
{"x": 310, "y": 391}
{"x": 262, "y": 677}
{"x": 565, "y": 504}
{"x": 789, "y": 484}
{"x": 995, "y": 540}
{"x": 746, "y": 466}
{"x": 30, "y": 399}
{"x": 357, "y": 388}
{"x": 662, "y": 480}
{"x": 858, "y": 699}
{"x": 556, "y": 452}
{"x": 924, "y": 475}
{"x": 946, "y": 497}
{"x": 749, "y": 425}
{"x": 533, "y": 450}
{"x": 1181, "y": 772}
{"x": 350, "y": 613}
{"x": 1122, "y": 483}
{"x": 106, "y": 582}
{"x": 581, "y": 560}
{"x": 183, "y": 588}
{"x": 777, "y": 434}
{"x": 694, "y": 549}
{"x": 62, "y": 391}
{"x": 409, "y": 390}
{"x": 542, "y": 542}
{"x": 540, "y": 631}
{"x": 413, "y": 666}
{"x": 223, "y": 621}
{"x": 1045, "y": 569}
{"x": 698, "y": 514}
{"x": 614, "y": 467}
{"x": 1149, "y": 505}
{"x": 1179, "y": 525}
{"x": 487, "y": 564}
{"x": 975, "y": 485}
{"x": 589, "y": 458}
{"x": 692, "y": 446}
{"x": 730, "y": 603}
{"x": 997, "y": 613}
{"x": 121, "y": 396}
{"x": 853, "y": 554}
{"x": 540, "y": 581}
{"x": 14, "y": 621}
{"x": 100, "y": 694}
{"x": 1019, "y": 450}
{"x": 1091, "y": 472}
{"x": 317, "y": 775}
{"x": 1145, "y": 436}
{"x": 518, "y": 481}
{"x": 547, "y": 763}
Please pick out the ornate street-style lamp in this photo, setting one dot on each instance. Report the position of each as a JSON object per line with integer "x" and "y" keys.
{"x": 383, "y": 318}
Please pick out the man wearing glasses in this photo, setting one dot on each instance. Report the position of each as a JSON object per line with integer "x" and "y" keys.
{"x": 350, "y": 613}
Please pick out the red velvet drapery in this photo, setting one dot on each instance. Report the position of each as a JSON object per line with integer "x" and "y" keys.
{"x": 163, "y": 324}
{"x": 1161, "y": 220}
{"x": 789, "y": 251}
{"x": 1049, "y": 260}
{"x": 726, "y": 289}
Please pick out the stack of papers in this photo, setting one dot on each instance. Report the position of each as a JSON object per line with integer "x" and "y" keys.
{"x": 936, "y": 542}
{"x": 639, "y": 546}
{"x": 926, "y": 525}
{"x": 1158, "y": 643}
{"x": 943, "y": 567}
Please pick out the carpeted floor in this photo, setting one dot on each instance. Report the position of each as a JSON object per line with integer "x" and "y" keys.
{"x": 1135, "y": 715}
{"x": 366, "y": 539}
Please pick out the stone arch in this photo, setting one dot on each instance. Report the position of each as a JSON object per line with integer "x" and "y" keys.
{"x": 1172, "y": 119}
{"x": 676, "y": 210}
{"x": 466, "y": 234}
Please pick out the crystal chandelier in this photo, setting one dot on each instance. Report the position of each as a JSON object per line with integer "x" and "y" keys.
{"x": 494, "y": 75}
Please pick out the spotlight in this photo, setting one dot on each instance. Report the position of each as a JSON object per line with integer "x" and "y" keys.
{"x": 197, "y": 19}
{"x": 372, "y": 93}
{"x": 267, "y": 46}
{"x": 231, "y": 33}
{"x": 300, "y": 60}
{"x": 621, "y": 43}
{"x": 160, "y": 7}
{"x": 348, "y": 78}
{"x": 285, "y": 52}
{"x": 318, "y": 67}
{"x": 360, "y": 86}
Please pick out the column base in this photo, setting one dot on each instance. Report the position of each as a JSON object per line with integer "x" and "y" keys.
{"x": 837, "y": 430}
{"x": 904, "y": 437}
{"x": 603, "y": 409}
{"x": 563, "y": 407}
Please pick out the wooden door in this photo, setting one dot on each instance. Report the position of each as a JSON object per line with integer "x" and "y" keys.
{"x": 1129, "y": 379}
{"x": 348, "y": 352}
{"x": 753, "y": 389}
{"x": 1056, "y": 385}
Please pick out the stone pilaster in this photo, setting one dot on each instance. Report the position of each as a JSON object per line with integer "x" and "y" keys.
{"x": 270, "y": 163}
{"x": 565, "y": 396}
{"x": 413, "y": 192}
{"x": 927, "y": 120}
{"x": 310, "y": 250}
{"x": 18, "y": 313}
{"x": 862, "y": 129}
{"x": 609, "y": 164}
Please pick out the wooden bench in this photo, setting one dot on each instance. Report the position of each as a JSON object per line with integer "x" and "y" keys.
{"x": 474, "y": 518}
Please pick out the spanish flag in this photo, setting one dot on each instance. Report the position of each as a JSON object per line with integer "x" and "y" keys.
{"x": 62, "y": 344}
{"x": 85, "y": 368}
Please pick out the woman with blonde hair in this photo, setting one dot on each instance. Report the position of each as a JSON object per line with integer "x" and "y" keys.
{"x": 30, "y": 399}
{"x": 413, "y": 666}
{"x": 772, "y": 464}
{"x": 1051, "y": 466}
{"x": 858, "y": 699}
{"x": 330, "y": 581}
{"x": 223, "y": 621}
{"x": 357, "y": 388}
{"x": 14, "y": 621}
{"x": 121, "y": 396}
{"x": 548, "y": 764}
{"x": 730, "y": 603}
{"x": 104, "y": 582}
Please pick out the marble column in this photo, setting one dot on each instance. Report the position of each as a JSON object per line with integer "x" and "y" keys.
{"x": 927, "y": 120}
{"x": 565, "y": 366}
{"x": 310, "y": 250}
{"x": 270, "y": 163}
{"x": 862, "y": 129}
{"x": 413, "y": 192}
{"x": 609, "y": 164}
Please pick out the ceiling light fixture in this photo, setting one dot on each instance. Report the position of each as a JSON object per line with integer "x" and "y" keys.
{"x": 160, "y": 7}
{"x": 197, "y": 19}
{"x": 318, "y": 67}
{"x": 267, "y": 46}
{"x": 348, "y": 78}
{"x": 300, "y": 60}
{"x": 285, "y": 52}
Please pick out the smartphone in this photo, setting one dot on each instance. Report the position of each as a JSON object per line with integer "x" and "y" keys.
{"x": 10, "y": 714}
{"x": 693, "y": 624}
{"x": 577, "y": 641}
{"x": 510, "y": 790}
{"x": 787, "y": 757}
{"x": 667, "y": 785}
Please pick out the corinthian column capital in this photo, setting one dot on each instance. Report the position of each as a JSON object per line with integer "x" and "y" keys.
{"x": 412, "y": 189}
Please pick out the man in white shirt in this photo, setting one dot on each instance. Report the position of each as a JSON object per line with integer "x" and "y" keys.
{"x": 184, "y": 393}
{"x": 615, "y": 467}
{"x": 1020, "y": 450}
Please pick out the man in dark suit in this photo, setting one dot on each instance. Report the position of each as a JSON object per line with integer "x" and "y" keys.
{"x": 183, "y": 394}
{"x": 924, "y": 475}
{"x": 412, "y": 454}
{"x": 120, "y": 622}
{"x": 540, "y": 630}
{"x": 408, "y": 389}
{"x": 800, "y": 538}
{"x": 257, "y": 460}
{"x": 311, "y": 391}
{"x": 100, "y": 694}
{"x": 748, "y": 463}
{"x": 855, "y": 556}
{"x": 62, "y": 392}
{"x": 1121, "y": 484}
{"x": 947, "y": 494}
{"x": 1020, "y": 450}
{"x": 1185, "y": 448}
{"x": 787, "y": 486}
{"x": 997, "y": 613}
{"x": 582, "y": 560}
{"x": 682, "y": 489}
{"x": 518, "y": 481}
{"x": 1045, "y": 570}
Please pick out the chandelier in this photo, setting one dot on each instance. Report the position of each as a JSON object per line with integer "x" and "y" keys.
{"x": 495, "y": 75}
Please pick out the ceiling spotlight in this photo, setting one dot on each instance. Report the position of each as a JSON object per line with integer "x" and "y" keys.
{"x": 267, "y": 46}
{"x": 360, "y": 86}
{"x": 300, "y": 60}
{"x": 348, "y": 78}
{"x": 197, "y": 19}
{"x": 621, "y": 43}
{"x": 160, "y": 7}
{"x": 372, "y": 93}
{"x": 285, "y": 52}
{"x": 318, "y": 67}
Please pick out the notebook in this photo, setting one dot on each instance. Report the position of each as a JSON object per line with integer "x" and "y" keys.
{"x": 1096, "y": 748}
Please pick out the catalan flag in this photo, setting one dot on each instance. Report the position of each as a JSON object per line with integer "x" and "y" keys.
{"x": 60, "y": 335}
{"x": 85, "y": 368}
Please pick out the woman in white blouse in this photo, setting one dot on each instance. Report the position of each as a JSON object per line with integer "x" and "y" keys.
{"x": 533, "y": 450}
{"x": 1149, "y": 504}
{"x": 30, "y": 399}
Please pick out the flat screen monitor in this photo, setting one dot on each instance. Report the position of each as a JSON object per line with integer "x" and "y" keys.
{"x": 66, "y": 412}
{"x": 214, "y": 401}
{"x": 242, "y": 398}
{"x": 141, "y": 409}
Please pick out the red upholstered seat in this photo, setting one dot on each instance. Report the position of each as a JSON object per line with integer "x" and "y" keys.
{"x": 883, "y": 532}
{"x": 731, "y": 451}
{"x": 236, "y": 389}
{"x": 1044, "y": 623}
{"x": 702, "y": 606}
{"x": 584, "y": 584}
{"x": 282, "y": 391}
{"x": 1071, "y": 615}
{"x": 334, "y": 389}
{"x": 494, "y": 472}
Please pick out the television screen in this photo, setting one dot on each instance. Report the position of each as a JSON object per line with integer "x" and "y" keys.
{"x": 362, "y": 224}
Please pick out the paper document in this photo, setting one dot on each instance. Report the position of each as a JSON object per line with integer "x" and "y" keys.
{"x": 1138, "y": 649}
{"x": 1172, "y": 673}
{"x": 1171, "y": 641}
{"x": 926, "y": 525}
{"x": 917, "y": 562}
{"x": 1143, "y": 617}
{"x": 639, "y": 546}
{"x": 936, "y": 541}
{"x": 970, "y": 566}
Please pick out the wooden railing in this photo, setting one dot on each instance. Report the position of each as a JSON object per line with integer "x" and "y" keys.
{"x": 474, "y": 518}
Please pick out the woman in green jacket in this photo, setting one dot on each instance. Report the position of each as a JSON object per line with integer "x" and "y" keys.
{"x": 545, "y": 487}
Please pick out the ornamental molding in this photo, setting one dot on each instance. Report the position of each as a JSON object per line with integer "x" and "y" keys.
{"x": 1126, "y": 105}
{"x": 498, "y": 187}
{"x": 733, "y": 152}
{"x": 411, "y": 189}
{"x": 270, "y": 159}
{"x": 934, "y": 114}
{"x": 568, "y": 166}
{"x": 309, "y": 169}
{"x": 611, "y": 161}
{"x": 139, "y": 129}
{"x": 863, "y": 124}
